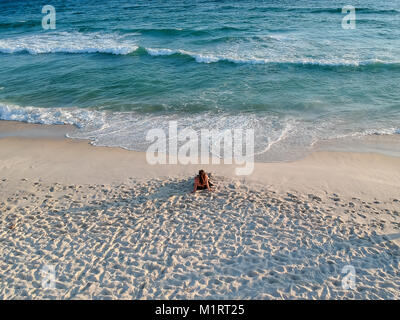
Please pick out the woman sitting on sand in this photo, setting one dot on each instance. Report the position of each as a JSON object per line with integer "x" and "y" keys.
{"x": 202, "y": 182}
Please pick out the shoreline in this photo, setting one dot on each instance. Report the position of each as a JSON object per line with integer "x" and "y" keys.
{"x": 115, "y": 227}
{"x": 44, "y": 147}
{"x": 387, "y": 144}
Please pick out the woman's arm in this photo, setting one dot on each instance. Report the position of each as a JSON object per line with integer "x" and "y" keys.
{"x": 207, "y": 184}
{"x": 194, "y": 185}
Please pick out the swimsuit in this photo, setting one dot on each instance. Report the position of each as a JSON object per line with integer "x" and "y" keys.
{"x": 205, "y": 186}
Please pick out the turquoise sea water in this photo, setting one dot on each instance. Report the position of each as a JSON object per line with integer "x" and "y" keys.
{"x": 285, "y": 68}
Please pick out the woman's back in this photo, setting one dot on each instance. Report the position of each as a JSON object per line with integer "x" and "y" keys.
{"x": 201, "y": 181}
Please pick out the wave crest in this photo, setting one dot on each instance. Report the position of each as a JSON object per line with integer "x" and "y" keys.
{"x": 64, "y": 42}
{"x": 80, "y": 43}
{"x": 73, "y": 116}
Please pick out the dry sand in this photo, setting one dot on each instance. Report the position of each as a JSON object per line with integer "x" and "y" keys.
{"x": 114, "y": 227}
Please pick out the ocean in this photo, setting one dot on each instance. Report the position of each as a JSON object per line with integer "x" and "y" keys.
{"x": 287, "y": 69}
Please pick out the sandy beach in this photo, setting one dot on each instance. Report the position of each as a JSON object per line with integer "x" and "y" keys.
{"x": 114, "y": 227}
{"x": 107, "y": 107}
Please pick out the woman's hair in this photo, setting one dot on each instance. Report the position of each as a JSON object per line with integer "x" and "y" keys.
{"x": 202, "y": 176}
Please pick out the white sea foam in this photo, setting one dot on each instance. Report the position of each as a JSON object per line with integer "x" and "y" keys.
{"x": 202, "y": 58}
{"x": 76, "y": 42}
{"x": 79, "y": 117}
{"x": 276, "y": 138}
{"x": 129, "y": 129}
{"x": 160, "y": 52}
{"x": 207, "y": 57}
{"x": 64, "y": 42}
